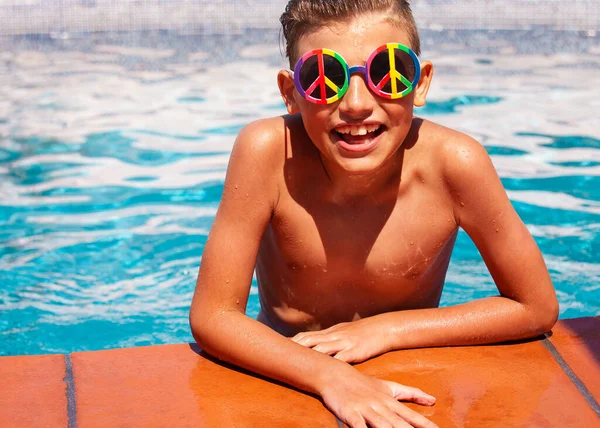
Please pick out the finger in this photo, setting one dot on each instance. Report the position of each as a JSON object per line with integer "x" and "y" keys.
{"x": 344, "y": 356}
{"x": 393, "y": 418}
{"x": 304, "y": 334}
{"x": 356, "y": 421}
{"x": 413, "y": 418}
{"x": 376, "y": 420}
{"x": 301, "y": 336}
{"x": 408, "y": 393}
{"x": 329, "y": 348}
{"x": 351, "y": 356}
{"x": 314, "y": 339}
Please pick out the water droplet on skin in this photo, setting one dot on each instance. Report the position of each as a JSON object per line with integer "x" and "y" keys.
{"x": 227, "y": 281}
{"x": 462, "y": 204}
{"x": 237, "y": 301}
{"x": 236, "y": 186}
{"x": 497, "y": 230}
{"x": 412, "y": 243}
{"x": 304, "y": 266}
{"x": 300, "y": 241}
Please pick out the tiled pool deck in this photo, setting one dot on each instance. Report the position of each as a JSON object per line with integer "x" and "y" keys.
{"x": 550, "y": 382}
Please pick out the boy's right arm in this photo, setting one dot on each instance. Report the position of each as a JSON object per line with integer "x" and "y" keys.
{"x": 217, "y": 317}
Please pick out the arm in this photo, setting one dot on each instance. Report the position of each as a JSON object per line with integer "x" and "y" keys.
{"x": 526, "y": 306}
{"x": 217, "y": 317}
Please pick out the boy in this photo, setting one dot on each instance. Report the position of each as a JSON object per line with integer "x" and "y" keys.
{"x": 348, "y": 208}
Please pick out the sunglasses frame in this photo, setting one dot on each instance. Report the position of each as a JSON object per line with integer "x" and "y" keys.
{"x": 349, "y": 71}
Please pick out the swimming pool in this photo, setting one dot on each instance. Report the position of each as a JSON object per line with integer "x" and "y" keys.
{"x": 113, "y": 152}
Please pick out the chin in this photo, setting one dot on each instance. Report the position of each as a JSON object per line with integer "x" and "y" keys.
{"x": 360, "y": 165}
{"x": 364, "y": 161}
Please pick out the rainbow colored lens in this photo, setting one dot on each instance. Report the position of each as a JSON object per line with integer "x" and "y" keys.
{"x": 393, "y": 71}
{"x": 321, "y": 76}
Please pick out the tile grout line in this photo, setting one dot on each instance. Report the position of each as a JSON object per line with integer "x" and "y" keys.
{"x": 571, "y": 374}
{"x": 70, "y": 381}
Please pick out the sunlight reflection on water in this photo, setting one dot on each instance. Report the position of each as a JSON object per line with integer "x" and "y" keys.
{"x": 112, "y": 160}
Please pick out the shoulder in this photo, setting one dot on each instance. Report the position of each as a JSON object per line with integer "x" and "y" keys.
{"x": 259, "y": 150}
{"x": 457, "y": 155}
{"x": 469, "y": 176}
{"x": 445, "y": 153}
{"x": 460, "y": 163}
{"x": 466, "y": 164}
{"x": 262, "y": 139}
{"x": 256, "y": 161}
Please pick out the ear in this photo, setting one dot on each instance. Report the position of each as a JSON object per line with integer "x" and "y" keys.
{"x": 424, "y": 82}
{"x": 285, "y": 81}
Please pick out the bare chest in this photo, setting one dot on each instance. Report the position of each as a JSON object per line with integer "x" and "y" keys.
{"x": 363, "y": 259}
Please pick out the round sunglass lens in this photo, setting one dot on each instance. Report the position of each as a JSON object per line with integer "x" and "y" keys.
{"x": 380, "y": 70}
{"x": 309, "y": 75}
{"x": 335, "y": 71}
{"x": 309, "y": 72}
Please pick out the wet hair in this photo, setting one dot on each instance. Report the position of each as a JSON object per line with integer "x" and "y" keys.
{"x": 303, "y": 16}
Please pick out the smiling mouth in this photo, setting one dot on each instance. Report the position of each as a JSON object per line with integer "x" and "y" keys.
{"x": 358, "y": 137}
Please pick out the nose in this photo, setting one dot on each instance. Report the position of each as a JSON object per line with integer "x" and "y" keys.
{"x": 358, "y": 102}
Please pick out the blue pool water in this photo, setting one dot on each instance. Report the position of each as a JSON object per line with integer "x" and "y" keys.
{"x": 113, "y": 153}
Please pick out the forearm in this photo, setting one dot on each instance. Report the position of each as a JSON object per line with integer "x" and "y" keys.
{"x": 489, "y": 320}
{"x": 237, "y": 339}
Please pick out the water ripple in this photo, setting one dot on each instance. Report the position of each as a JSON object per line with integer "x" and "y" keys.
{"x": 113, "y": 157}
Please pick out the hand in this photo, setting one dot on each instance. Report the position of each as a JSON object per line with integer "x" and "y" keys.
{"x": 351, "y": 342}
{"x": 358, "y": 400}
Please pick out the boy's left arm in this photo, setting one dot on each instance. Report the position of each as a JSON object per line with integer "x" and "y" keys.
{"x": 527, "y": 305}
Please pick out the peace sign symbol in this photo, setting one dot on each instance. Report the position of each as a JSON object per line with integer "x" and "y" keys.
{"x": 322, "y": 81}
{"x": 393, "y": 76}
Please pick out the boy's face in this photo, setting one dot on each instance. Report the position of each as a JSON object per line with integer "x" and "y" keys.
{"x": 388, "y": 120}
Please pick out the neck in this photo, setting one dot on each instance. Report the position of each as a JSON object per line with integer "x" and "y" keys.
{"x": 346, "y": 186}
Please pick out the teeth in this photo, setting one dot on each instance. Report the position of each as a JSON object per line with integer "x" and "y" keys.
{"x": 357, "y": 130}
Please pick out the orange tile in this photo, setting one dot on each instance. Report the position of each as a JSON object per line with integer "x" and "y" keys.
{"x": 512, "y": 385}
{"x": 171, "y": 385}
{"x": 516, "y": 385}
{"x": 578, "y": 342}
{"x": 33, "y": 392}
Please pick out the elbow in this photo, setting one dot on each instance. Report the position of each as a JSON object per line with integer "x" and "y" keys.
{"x": 546, "y": 316}
{"x": 198, "y": 326}
{"x": 195, "y": 328}
{"x": 206, "y": 326}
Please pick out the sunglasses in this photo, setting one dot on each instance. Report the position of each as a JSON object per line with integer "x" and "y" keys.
{"x": 322, "y": 76}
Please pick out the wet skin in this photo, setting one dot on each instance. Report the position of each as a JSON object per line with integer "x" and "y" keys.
{"x": 324, "y": 261}
{"x": 357, "y": 242}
